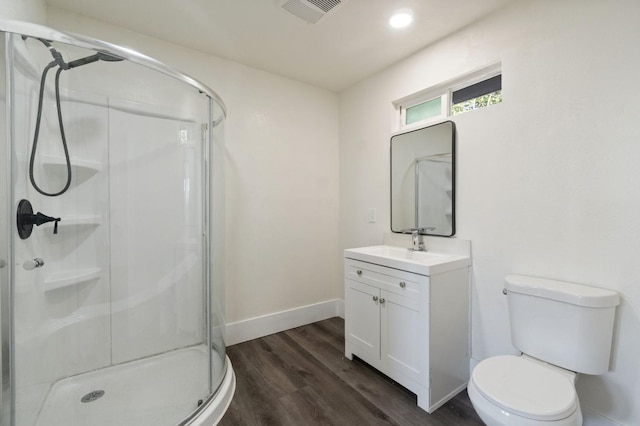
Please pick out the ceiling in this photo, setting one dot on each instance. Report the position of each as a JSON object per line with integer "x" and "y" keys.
{"x": 352, "y": 42}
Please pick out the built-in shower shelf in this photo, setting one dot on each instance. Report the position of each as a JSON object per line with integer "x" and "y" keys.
{"x": 62, "y": 279}
{"x": 77, "y": 222}
{"x": 57, "y": 164}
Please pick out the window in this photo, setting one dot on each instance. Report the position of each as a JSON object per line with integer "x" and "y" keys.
{"x": 424, "y": 111}
{"x": 419, "y": 110}
{"x": 476, "y": 90}
{"x": 479, "y": 95}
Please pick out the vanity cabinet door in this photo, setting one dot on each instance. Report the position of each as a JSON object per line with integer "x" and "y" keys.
{"x": 404, "y": 338}
{"x": 362, "y": 322}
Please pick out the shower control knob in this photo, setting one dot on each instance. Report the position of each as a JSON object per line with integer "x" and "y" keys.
{"x": 33, "y": 264}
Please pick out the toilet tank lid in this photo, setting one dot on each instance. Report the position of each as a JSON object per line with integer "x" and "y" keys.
{"x": 576, "y": 294}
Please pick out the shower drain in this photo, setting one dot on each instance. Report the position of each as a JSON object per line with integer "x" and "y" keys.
{"x": 92, "y": 396}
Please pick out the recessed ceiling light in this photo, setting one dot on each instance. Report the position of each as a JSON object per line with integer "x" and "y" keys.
{"x": 402, "y": 18}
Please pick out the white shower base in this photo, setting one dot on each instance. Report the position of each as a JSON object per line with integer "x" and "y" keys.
{"x": 157, "y": 391}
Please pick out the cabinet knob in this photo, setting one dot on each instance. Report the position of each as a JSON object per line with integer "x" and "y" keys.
{"x": 403, "y": 284}
{"x": 381, "y": 301}
{"x": 375, "y": 298}
{"x": 359, "y": 272}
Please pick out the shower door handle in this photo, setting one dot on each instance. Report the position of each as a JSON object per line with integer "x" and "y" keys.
{"x": 33, "y": 264}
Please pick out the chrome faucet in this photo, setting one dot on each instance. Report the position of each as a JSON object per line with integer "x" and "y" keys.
{"x": 416, "y": 237}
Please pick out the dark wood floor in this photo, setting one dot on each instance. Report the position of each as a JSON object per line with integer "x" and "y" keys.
{"x": 300, "y": 377}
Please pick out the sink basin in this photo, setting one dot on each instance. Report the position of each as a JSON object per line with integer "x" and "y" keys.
{"x": 418, "y": 262}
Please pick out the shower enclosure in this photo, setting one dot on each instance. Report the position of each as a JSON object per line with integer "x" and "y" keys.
{"x": 111, "y": 237}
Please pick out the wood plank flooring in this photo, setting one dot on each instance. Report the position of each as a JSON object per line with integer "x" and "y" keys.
{"x": 300, "y": 377}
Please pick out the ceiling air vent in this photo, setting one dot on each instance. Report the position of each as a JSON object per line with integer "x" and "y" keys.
{"x": 310, "y": 11}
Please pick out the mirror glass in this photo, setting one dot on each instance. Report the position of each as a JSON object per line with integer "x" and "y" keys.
{"x": 422, "y": 180}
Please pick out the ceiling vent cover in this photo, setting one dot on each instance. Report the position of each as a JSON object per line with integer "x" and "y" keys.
{"x": 310, "y": 11}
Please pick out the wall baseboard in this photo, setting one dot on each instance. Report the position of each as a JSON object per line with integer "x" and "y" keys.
{"x": 254, "y": 328}
{"x": 591, "y": 418}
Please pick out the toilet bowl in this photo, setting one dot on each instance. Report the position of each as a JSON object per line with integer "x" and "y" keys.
{"x": 521, "y": 391}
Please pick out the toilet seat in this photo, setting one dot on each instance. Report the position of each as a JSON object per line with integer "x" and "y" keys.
{"x": 525, "y": 387}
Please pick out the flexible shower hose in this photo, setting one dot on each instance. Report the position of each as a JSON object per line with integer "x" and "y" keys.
{"x": 60, "y": 125}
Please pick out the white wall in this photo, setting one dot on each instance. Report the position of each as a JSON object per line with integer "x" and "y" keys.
{"x": 24, "y": 10}
{"x": 282, "y": 175}
{"x": 547, "y": 180}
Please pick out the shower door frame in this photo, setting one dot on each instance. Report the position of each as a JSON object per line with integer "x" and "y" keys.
{"x": 6, "y": 260}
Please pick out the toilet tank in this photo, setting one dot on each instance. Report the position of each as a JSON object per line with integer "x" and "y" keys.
{"x": 565, "y": 324}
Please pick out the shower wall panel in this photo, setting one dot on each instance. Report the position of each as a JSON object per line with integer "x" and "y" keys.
{"x": 156, "y": 240}
{"x": 61, "y": 311}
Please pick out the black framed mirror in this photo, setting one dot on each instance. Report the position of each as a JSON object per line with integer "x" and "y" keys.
{"x": 423, "y": 180}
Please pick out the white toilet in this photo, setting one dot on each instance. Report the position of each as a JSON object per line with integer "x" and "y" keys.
{"x": 562, "y": 329}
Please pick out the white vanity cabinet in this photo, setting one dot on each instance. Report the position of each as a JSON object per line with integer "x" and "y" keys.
{"x": 412, "y": 327}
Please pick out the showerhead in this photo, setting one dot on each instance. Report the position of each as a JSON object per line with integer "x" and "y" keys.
{"x": 59, "y": 61}
{"x": 100, "y": 56}
{"x": 108, "y": 57}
